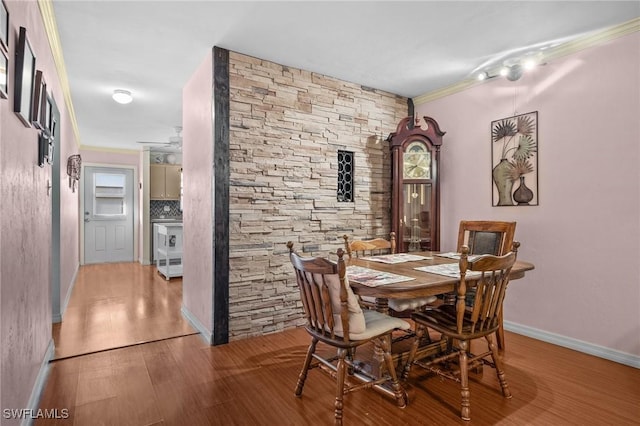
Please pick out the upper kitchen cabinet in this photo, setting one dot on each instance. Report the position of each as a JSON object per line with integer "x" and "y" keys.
{"x": 165, "y": 181}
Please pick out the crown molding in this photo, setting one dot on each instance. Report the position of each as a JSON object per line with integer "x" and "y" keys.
{"x": 51, "y": 29}
{"x": 565, "y": 49}
{"x": 106, "y": 149}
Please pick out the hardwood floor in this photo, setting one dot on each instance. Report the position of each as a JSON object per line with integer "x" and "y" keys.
{"x": 183, "y": 381}
{"x": 119, "y": 304}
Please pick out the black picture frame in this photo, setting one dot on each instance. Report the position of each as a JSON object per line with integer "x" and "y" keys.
{"x": 514, "y": 160}
{"x": 50, "y": 151}
{"x": 48, "y": 113}
{"x": 4, "y": 75}
{"x": 25, "y": 71}
{"x": 39, "y": 104}
{"x": 4, "y": 26}
{"x": 43, "y": 148}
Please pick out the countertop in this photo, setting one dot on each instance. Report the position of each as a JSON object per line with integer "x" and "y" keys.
{"x": 166, "y": 219}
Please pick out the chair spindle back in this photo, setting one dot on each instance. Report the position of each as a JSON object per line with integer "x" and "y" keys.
{"x": 490, "y": 288}
{"x": 311, "y": 276}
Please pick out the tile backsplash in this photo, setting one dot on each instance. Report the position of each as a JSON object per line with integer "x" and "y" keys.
{"x": 156, "y": 208}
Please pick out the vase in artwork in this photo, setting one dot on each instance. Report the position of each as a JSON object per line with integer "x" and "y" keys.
{"x": 522, "y": 195}
{"x": 503, "y": 182}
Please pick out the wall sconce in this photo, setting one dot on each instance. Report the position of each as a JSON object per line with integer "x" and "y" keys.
{"x": 74, "y": 163}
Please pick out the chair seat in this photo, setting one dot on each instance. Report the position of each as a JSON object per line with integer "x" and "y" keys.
{"x": 378, "y": 323}
{"x": 401, "y": 305}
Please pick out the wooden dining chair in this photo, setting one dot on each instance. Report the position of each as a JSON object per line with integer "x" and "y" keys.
{"x": 335, "y": 318}
{"x": 463, "y": 325}
{"x": 487, "y": 237}
{"x": 360, "y": 248}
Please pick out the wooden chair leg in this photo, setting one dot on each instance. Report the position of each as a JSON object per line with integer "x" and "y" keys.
{"x": 465, "y": 412}
{"x": 420, "y": 330}
{"x": 340, "y": 375}
{"x": 398, "y": 391}
{"x": 305, "y": 368}
{"x": 506, "y": 392}
{"x": 500, "y": 333}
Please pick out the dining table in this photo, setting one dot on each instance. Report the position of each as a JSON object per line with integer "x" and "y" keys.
{"x": 408, "y": 275}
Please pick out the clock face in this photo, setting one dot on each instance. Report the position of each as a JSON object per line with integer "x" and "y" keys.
{"x": 417, "y": 161}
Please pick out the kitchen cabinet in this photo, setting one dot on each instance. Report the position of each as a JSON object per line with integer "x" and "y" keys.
{"x": 165, "y": 181}
{"x": 169, "y": 251}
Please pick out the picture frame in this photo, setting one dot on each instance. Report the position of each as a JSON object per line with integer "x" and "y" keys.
{"x": 4, "y": 27}
{"x": 25, "y": 70}
{"x": 4, "y": 75}
{"x": 39, "y": 104}
{"x": 49, "y": 113}
{"x": 43, "y": 148}
{"x": 514, "y": 157}
{"x": 50, "y": 150}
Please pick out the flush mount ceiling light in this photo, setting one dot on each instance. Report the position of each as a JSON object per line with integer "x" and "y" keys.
{"x": 122, "y": 96}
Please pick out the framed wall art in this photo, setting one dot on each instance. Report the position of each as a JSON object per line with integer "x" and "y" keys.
{"x": 514, "y": 153}
{"x": 43, "y": 148}
{"x": 4, "y": 75}
{"x": 48, "y": 112}
{"x": 24, "y": 78}
{"x": 50, "y": 152}
{"x": 39, "y": 104}
{"x": 4, "y": 27}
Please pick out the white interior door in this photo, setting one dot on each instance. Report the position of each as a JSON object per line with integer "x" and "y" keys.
{"x": 108, "y": 215}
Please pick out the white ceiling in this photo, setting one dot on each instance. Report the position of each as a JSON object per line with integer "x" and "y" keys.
{"x": 409, "y": 48}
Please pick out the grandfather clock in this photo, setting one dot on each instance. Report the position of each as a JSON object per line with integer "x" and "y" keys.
{"x": 415, "y": 201}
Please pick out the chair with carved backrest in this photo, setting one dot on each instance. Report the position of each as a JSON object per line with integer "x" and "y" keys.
{"x": 487, "y": 237}
{"x": 358, "y": 248}
{"x": 489, "y": 275}
{"x": 335, "y": 318}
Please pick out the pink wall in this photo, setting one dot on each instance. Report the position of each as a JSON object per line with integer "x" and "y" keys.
{"x": 197, "y": 216}
{"x": 25, "y": 225}
{"x": 584, "y": 235}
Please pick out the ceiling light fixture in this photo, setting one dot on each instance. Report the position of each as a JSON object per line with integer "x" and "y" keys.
{"x": 122, "y": 96}
{"x": 529, "y": 64}
{"x": 513, "y": 68}
{"x": 514, "y": 73}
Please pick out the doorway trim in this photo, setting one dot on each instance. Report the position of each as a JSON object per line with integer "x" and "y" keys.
{"x": 136, "y": 204}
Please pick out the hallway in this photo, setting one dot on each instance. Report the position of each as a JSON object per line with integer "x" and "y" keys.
{"x": 115, "y": 305}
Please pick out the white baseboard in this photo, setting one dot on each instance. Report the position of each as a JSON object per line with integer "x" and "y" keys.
{"x": 67, "y": 297}
{"x": 205, "y": 333}
{"x": 575, "y": 344}
{"x": 38, "y": 387}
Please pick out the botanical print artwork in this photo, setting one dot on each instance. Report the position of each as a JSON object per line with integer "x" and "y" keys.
{"x": 514, "y": 151}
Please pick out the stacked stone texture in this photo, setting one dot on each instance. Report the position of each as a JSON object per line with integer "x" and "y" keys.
{"x": 286, "y": 127}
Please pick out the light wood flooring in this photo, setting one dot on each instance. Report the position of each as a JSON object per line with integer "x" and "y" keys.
{"x": 119, "y": 304}
{"x": 183, "y": 381}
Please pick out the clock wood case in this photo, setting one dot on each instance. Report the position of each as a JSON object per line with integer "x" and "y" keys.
{"x": 415, "y": 201}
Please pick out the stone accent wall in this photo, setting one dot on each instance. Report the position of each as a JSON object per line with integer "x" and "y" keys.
{"x": 286, "y": 128}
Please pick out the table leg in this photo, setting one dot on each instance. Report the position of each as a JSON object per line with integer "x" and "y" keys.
{"x": 382, "y": 305}
{"x": 377, "y": 364}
